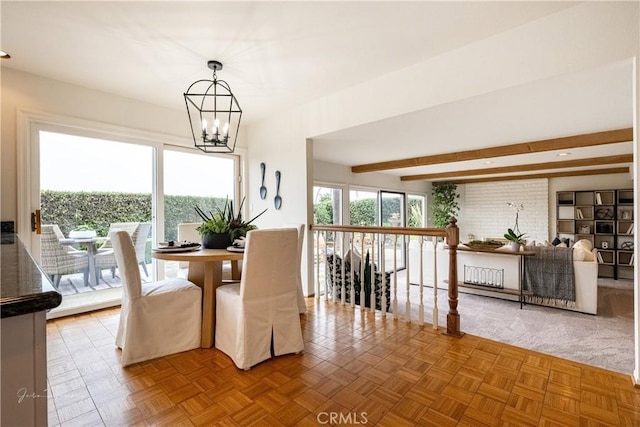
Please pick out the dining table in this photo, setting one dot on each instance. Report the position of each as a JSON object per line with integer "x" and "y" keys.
{"x": 205, "y": 270}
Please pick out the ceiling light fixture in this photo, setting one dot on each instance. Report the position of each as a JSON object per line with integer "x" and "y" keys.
{"x": 214, "y": 113}
{"x": 562, "y": 154}
{"x": 4, "y": 55}
{"x": 488, "y": 162}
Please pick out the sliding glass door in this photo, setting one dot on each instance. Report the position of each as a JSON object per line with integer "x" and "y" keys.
{"x": 190, "y": 179}
{"x": 85, "y": 186}
{"x": 393, "y": 214}
{"x": 86, "y": 180}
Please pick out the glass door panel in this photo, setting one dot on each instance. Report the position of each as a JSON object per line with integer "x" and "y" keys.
{"x": 393, "y": 214}
{"x": 327, "y": 210}
{"x": 191, "y": 178}
{"x": 86, "y": 186}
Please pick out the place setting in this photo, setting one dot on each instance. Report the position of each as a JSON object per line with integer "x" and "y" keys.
{"x": 238, "y": 245}
{"x": 176, "y": 246}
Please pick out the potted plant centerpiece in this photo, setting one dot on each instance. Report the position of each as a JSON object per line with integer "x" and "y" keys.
{"x": 515, "y": 239}
{"x": 219, "y": 229}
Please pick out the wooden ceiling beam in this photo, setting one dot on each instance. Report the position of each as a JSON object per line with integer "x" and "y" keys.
{"x": 564, "y": 143}
{"x": 539, "y": 175}
{"x": 608, "y": 160}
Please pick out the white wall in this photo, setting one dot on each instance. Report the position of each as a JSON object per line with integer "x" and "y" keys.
{"x": 485, "y": 212}
{"x": 586, "y": 36}
{"x": 342, "y": 175}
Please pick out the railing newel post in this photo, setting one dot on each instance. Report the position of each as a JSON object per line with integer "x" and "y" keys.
{"x": 453, "y": 317}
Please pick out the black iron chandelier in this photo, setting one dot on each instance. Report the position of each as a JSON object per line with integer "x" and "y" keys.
{"x": 214, "y": 113}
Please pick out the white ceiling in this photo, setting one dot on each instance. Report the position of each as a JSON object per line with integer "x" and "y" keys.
{"x": 281, "y": 54}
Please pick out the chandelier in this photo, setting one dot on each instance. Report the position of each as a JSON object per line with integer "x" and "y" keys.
{"x": 214, "y": 113}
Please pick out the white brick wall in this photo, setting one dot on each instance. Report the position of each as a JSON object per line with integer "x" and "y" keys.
{"x": 484, "y": 211}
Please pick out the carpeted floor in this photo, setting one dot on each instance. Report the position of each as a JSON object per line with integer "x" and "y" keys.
{"x": 605, "y": 340}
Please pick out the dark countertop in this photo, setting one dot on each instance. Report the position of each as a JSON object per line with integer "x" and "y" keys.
{"x": 24, "y": 287}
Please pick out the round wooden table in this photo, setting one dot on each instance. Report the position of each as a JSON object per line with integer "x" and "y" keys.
{"x": 205, "y": 270}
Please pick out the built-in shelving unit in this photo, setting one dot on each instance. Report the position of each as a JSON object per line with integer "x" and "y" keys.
{"x": 605, "y": 217}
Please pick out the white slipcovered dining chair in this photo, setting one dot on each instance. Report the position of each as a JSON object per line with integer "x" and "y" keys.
{"x": 158, "y": 318}
{"x": 262, "y": 310}
{"x": 302, "y": 306}
{"x": 187, "y": 231}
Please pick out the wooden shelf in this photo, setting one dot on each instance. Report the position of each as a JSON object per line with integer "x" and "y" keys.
{"x": 491, "y": 289}
{"x": 602, "y": 216}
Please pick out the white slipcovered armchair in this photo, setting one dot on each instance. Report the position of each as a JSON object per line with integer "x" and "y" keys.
{"x": 262, "y": 310}
{"x": 158, "y": 318}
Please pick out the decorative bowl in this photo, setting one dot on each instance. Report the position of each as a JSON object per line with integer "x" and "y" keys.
{"x": 483, "y": 245}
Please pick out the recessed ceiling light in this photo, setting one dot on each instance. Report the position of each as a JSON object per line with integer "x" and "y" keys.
{"x": 563, "y": 154}
{"x": 4, "y": 55}
{"x": 488, "y": 162}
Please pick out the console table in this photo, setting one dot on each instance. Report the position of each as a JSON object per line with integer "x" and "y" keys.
{"x": 520, "y": 292}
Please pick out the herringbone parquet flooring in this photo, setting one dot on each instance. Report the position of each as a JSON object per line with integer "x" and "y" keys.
{"x": 357, "y": 369}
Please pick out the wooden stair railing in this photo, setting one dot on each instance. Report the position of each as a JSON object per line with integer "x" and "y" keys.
{"x": 341, "y": 233}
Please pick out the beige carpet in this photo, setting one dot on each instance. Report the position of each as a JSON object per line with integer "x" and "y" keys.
{"x": 605, "y": 340}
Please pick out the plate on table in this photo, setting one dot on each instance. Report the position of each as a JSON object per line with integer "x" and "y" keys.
{"x": 182, "y": 247}
{"x": 235, "y": 249}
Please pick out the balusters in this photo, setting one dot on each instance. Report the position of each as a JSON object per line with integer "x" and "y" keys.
{"x": 342, "y": 241}
{"x": 383, "y": 272}
{"x": 421, "y": 306}
{"x": 407, "y": 313}
{"x": 394, "y": 307}
{"x": 434, "y": 316}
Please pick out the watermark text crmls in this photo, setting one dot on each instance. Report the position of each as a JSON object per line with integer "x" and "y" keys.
{"x": 342, "y": 418}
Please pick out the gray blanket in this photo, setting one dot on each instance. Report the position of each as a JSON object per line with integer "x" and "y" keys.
{"x": 549, "y": 276}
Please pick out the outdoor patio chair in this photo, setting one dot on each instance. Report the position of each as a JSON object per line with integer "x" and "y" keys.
{"x": 105, "y": 259}
{"x": 57, "y": 260}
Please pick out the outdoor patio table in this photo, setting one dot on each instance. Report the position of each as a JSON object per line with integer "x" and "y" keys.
{"x": 91, "y": 253}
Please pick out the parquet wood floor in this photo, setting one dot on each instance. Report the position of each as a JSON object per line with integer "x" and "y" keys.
{"x": 357, "y": 369}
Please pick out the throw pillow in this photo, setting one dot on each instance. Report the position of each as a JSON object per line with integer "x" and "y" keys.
{"x": 357, "y": 259}
{"x": 556, "y": 242}
{"x": 583, "y": 244}
{"x": 578, "y": 254}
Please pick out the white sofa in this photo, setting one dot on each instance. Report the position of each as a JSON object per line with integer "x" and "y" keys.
{"x": 586, "y": 273}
